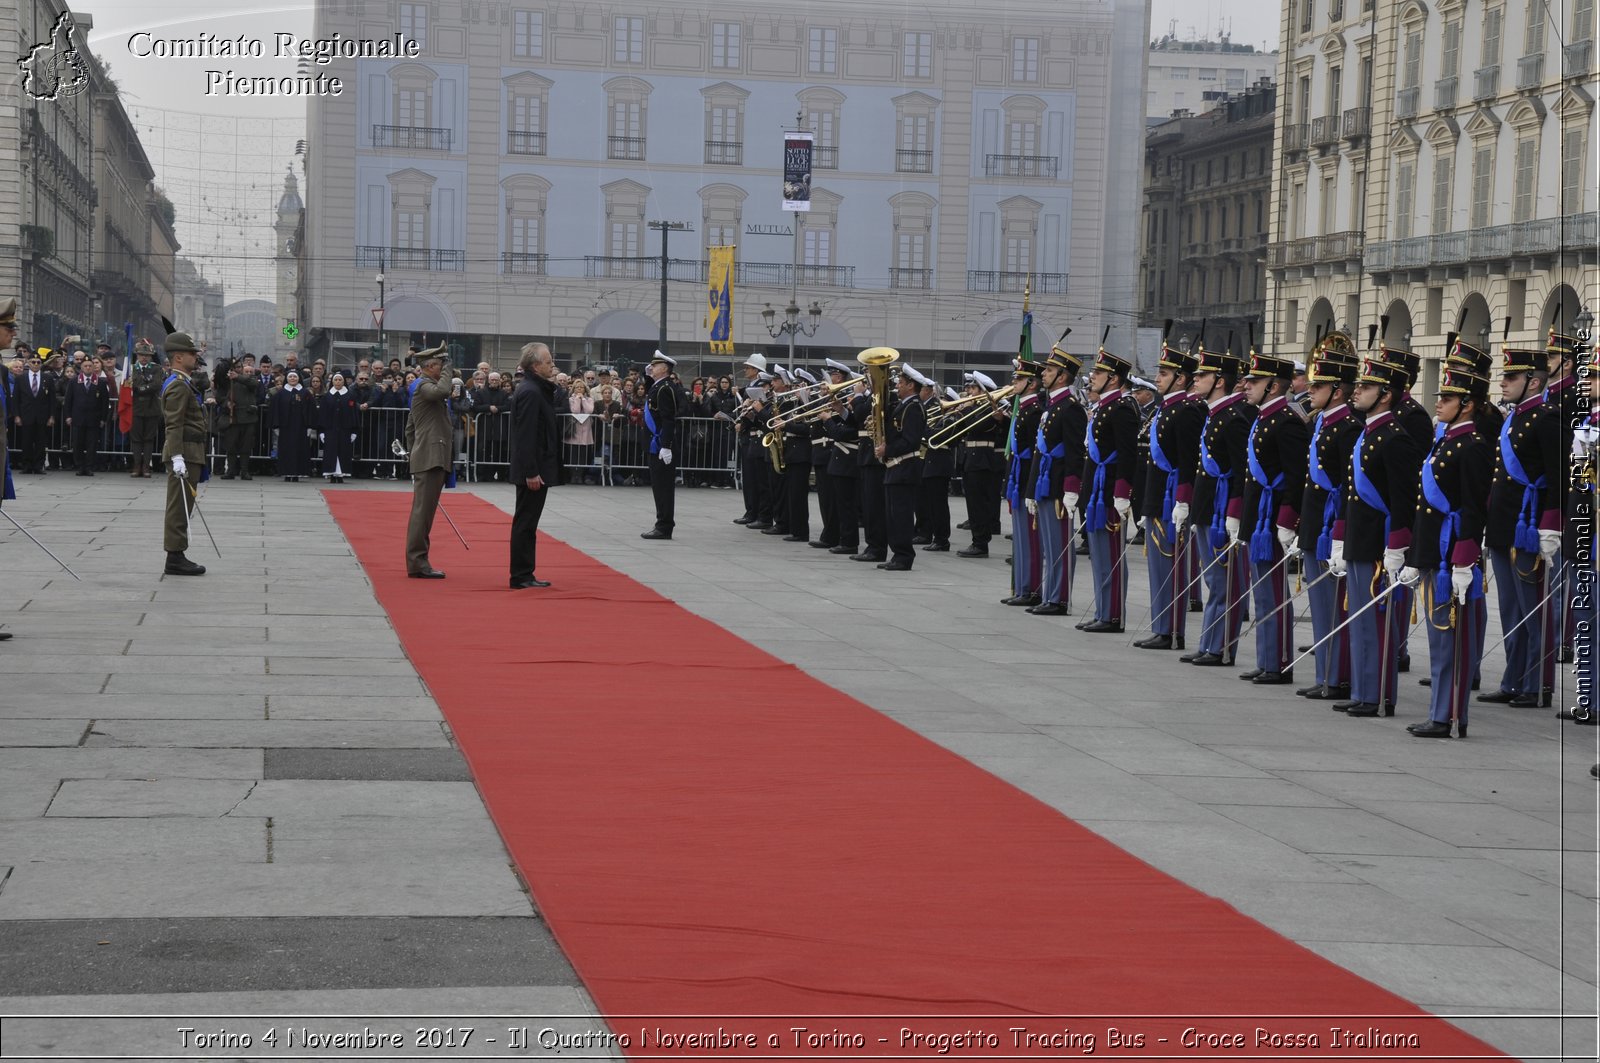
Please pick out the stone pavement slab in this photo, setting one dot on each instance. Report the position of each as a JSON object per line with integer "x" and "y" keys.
{"x": 145, "y": 798}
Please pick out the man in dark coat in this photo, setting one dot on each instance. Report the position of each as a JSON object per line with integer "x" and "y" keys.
{"x": 33, "y": 413}
{"x": 88, "y": 402}
{"x": 535, "y": 458}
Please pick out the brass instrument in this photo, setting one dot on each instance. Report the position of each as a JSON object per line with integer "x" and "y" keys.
{"x": 983, "y": 406}
{"x": 877, "y": 361}
{"x": 815, "y": 409}
{"x": 774, "y": 444}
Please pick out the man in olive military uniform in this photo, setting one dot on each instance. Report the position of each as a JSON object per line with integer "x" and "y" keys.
{"x": 243, "y": 396}
{"x": 429, "y": 438}
{"x": 145, "y": 379}
{"x": 185, "y": 450}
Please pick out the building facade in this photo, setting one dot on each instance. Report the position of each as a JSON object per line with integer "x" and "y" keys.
{"x": 1435, "y": 172}
{"x": 1194, "y": 75}
{"x": 197, "y": 305}
{"x": 1207, "y": 188}
{"x": 959, "y": 158}
{"x": 251, "y": 327}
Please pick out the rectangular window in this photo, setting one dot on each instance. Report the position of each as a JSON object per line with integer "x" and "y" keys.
{"x": 1533, "y": 32}
{"x": 1450, "y": 65}
{"x": 1582, "y": 21}
{"x": 527, "y": 34}
{"x": 524, "y": 235}
{"x": 1482, "y": 186}
{"x": 1022, "y": 138}
{"x": 917, "y": 60}
{"x": 1527, "y": 179}
{"x": 411, "y": 107}
{"x": 725, "y": 45}
{"x": 409, "y": 228}
{"x": 1019, "y": 254}
{"x": 414, "y": 24}
{"x": 911, "y": 251}
{"x": 1492, "y": 19}
{"x": 1572, "y": 199}
{"x": 1329, "y": 204}
{"x": 624, "y": 239}
{"x": 822, "y": 55}
{"x": 1207, "y": 73}
{"x": 1335, "y": 88}
{"x": 819, "y": 246}
{"x": 1024, "y": 59}
{"x": 628, "y": 40}
{"x": 527, "y": 114}
{"x": 914, "y": 132}
{"x": 1305, "y": 100}
{"x": 1179, "y": 73}
{"x": 1441, "y": 193}
{"x": 1404, "y": 200}
{"x": 1413, "y": 71}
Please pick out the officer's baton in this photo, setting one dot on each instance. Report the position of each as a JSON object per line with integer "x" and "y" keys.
{"x": 37, "y": 543}
{"x": 1393, "y": 586}
{"x": 195, "y": 505}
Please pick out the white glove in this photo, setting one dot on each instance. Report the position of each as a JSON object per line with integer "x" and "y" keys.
{"x": 1232, "y": 525}
{"x": 1139, "y": 523}
{"x": 1393, "y": 562}
{"x": 352, "y": 437}
{"x": 179, "y": 469}
{"x": 1549, "y": 545}
{"x": 1180, "y": 514}
{"x": 1289, "y": 541}
{"x": 1124, "y": 508}
{"x": 322, "y": 437}
{"x": 1069, "y": 501}
{"x": 1410, "y": 576}
{"x": 1336, "y": 563}
{"x": 665, "y": 456}
{"x": 1461, "y": 581}
{"x": 1031, "y": 505}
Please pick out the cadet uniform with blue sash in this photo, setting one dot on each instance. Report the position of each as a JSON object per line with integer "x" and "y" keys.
{"x": 1053, "y": 483}
{"x": 1333, "y": 436}
{"x": 1219, "y": 498}
{"x": 1111, "y": 456}
{"x": 1276, "y": 455}
{"x": 1445, "y": 551}
{"x": 1174, "y": 440}
{"x": 1026, "y": 412}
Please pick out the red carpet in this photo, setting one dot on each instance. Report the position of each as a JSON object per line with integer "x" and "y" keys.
{"x": 710, "y": 832}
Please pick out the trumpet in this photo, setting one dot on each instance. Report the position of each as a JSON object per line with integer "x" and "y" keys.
{"x": 813, "y": 410}
{"x": 969, "y": 412}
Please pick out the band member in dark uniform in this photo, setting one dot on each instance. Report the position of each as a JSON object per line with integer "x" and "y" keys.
{"x": 1174, "y": 442}
{"x": 1110, "y": 462}
{"x": 1027, "y": 407}
{"x": 901, "y": 453}
{"x": 1334, "y": 431}
{"x": 750, "y": 425}
{"x": 983, "y": 466}
{"x": 661, "y": 418}
{"x": 1276, "y": 455}
{"x": 844, "y": 466}
{"x": 1444, "y": 554}
{"x": 933, "y": 493}
{"x": 1054, "y": 480}
{"x": 1219, "y": 506}
{"x": 797, "y": 466}
{"x": 827, "y": 500}
{"x": 1379, "y": 507}
{"x": 874, "y": 517}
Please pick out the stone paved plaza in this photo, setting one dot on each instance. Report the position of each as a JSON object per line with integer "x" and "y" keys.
{"x": 233, "y": 795}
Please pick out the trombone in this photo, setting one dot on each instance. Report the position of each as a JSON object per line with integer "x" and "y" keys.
{"x": 982, "y": 406}
{"x": 813, "y": 409}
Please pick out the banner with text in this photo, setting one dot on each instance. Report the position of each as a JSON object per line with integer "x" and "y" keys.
{"x": 719, "y": 299}
{"x": 797, "y": 171}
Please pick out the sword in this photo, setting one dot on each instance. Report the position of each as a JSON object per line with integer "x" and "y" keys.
{"x": 37, "y": 543}
{"x": 1285, "y": 604}
{"x": 1512, "y": 630}
{"x": 195, "y": 505}
{"x": 1380, "y": 596}
{"x": 1184, "y": 594}
{"x": 400, "y": 452}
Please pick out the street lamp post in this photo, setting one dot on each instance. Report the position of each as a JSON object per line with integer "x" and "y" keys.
{"x": 791, "y": 323}
{"x": 666, "y": 227}
{"x": 383, "y": 345}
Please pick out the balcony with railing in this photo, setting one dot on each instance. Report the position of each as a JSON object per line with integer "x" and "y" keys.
{"x": 1577, "y": 59}
{"x": 523, "y": 262}
{"x": 628, "y": 149}
{"x": 1315, "y": 250}
{"x": 1486, "y": 82}
{"x": 1357, "y": 123}
{"x": 827, "y": 276}
{"x": 825, "y": 156}
{"x": 1407, "y": 102}
{"x": 724, "y": 153}
{"x": 1021, "y": 165}
{"x": 411, "y": 137}
{"x": 1530, "y": 72}
{"x": 418, "y": 258}
{"x": 524, "y": 142}
{"x": 982, "y": 280}
{"x": 908, "y": 161}
{"x": 920, "y": 279}
{"x": 1296, "y": 137}
{"x": 1541, "y": 236}
{"x": 1325, "y": 130}
{"x": 697, "y": 270}
{"x": 1444, "y": 93}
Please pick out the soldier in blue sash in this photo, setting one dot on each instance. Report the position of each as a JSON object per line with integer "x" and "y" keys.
{"x": 661, "y": 418}
{"x": 1371, "y": 540}
{"x": 1276, "y": 457}
{"x": 1219, "y": 505}
{"x": 1174, "y": 440}
{"x": 1562, "y": 396}
{"x": 1052, "y": 486}
{"x": 1111, "y": 456}
{"x": 1333, "y": 436}
{"x": 1027, "y": 407}
{"x": 1444, "y": 554}
{"x": 1523, "y": 532}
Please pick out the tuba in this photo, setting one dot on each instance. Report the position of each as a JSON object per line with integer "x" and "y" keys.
{"x": 877, "y": 361}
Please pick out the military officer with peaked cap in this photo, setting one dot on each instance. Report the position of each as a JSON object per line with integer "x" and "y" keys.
{"x": 1053, "y": 483}
{"x": 183, "y": 409}
{"x": 1111, "y": 461}
{"x": 661, "y": 418}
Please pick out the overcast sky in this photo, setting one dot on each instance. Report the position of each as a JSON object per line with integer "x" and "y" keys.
{"x": 1249, "y": 21}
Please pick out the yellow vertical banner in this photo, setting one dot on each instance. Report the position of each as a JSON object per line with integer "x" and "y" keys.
{"x": 719, "y": 299}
